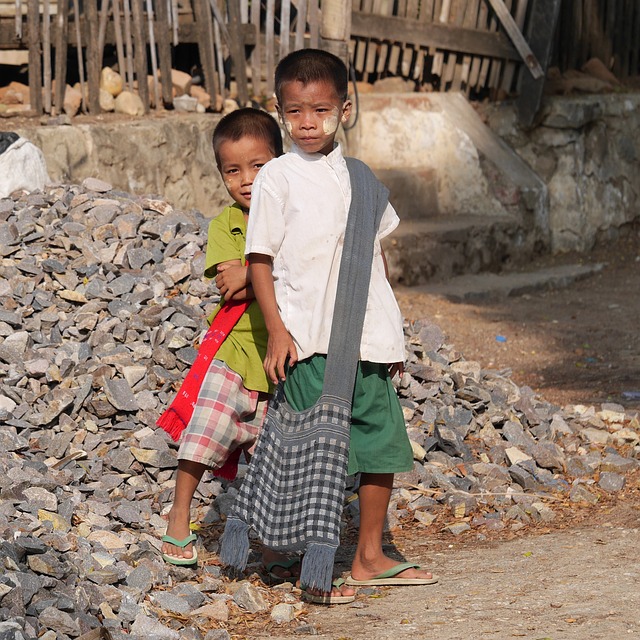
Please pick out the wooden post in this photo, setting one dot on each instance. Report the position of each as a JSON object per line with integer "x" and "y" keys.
{"x": 61, "y": 55}
{"x": 76, "y": 20}
{"x": 204, "y": 26}
{"x": 542, "y": 26}
{"x": 237, "y": 52}
{"x": 222, "y": 79}
{"x": 269, "y": 38}
{"x": 152, "y": 50}
{"x": 164, "y": 52}
{"x": 301, "y": 25}
{"x": 102, "y": 33}
{"x": 93, "y": 55}
{"x": 126, "y": 9}
{"x": 35, "y": 72}
{"x": 285, "y": 27}
{"x": 119, "y": 44}
{"x": 18, "y": 22}
{"x": 335, "y": 27}
{"x": 46, "y": 54}
{"x": 140, "y": 52}
{"x": 256, "y": 54}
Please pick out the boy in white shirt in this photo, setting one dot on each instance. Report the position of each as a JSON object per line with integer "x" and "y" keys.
{"x": 299, "y": 209}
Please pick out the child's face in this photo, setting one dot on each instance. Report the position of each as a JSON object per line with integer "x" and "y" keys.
{"x": 311, "y": 114}
{"x": 239, "y": 163}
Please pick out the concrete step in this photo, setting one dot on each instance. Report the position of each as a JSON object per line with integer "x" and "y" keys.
{"x": 439, "y": 248}
{"x": 484, "y": 286}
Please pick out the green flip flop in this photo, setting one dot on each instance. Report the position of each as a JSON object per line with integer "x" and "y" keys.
{"x": 328, "y": 598}
{"x": 177, "y": 560}
{"x": 285, "y": 563}
{"x": 390, "y": 577}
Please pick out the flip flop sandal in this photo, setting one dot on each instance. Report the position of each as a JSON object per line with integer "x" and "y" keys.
{"x": 390, "y": 578}
{"x": 177, "y": 560}
{"x": 285, "y": 564}
{"x": 328, "y": 598}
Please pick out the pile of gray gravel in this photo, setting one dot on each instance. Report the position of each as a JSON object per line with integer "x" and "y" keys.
{"x": 101, "y": 302}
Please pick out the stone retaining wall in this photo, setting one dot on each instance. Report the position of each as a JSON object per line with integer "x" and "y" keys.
{"x": 169, "y": 155}
{"x": 586, "y": 150}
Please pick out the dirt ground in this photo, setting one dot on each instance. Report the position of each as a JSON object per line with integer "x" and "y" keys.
{"x": 578, "y": 345}
{"x": 576, "y": 577}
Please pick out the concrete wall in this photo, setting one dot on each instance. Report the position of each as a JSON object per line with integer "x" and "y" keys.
{"x": 169, "y": 155}
{"x": 586, "y": 150}
{"x": 430, "y": 165}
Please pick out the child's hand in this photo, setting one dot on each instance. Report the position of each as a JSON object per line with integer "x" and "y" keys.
{"x": 232, "y": 280}
{"x": 396, "y": 367}
{"x": 280, "y": 348}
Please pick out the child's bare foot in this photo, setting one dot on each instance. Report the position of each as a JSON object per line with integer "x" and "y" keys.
{"x": 178, "y": 530}
{"x": 385, "y": 571}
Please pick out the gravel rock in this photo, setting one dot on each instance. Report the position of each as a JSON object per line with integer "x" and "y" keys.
{"x": 102, "y": 304}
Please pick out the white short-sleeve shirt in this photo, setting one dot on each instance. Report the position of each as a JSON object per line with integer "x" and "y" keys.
{"x": 299, "y": 206}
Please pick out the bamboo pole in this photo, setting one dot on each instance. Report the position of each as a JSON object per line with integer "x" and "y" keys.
{"x": 140, "y": 52}
{"x": 18, "y": 22}
{"x": 164, "y": 51}
{"x": 104, "y": 18}
{"x": 270, "y": 44}
{"x": 222, "y": 79}
{"x": 256, "y": 54}
{"x": 154, "y": 60}
{"x": 204, "y": 26}
{"x": 314, "y": 23}
{"x": 285, "y": 26}
{"x": 301, "y": 24}
{"x": 117, "y": 28}
{"x": 174, "y": 21}
{"x": 93, "y": 56}
{"x": 128, "y": 42}
{"x": 237, "y": 53}
{"x": 61, "y": 55}
{"x": 46, "y": 54}
{"x": 76, "y": 20}
{"x": 35, "y": 72}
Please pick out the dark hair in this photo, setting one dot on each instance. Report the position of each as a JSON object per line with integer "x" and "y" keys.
{"x": 248, "y": 122}
{"x": 312, "y": 65}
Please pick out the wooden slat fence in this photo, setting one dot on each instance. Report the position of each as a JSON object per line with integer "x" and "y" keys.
{"x": 440, "y": 44}
{"x": 473, "y": 46}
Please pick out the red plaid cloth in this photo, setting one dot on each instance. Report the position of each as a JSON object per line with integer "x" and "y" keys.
{"x": 175, "y": 419}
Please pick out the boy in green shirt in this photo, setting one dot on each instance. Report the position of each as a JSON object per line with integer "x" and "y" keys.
{"x": 231, "y": 402}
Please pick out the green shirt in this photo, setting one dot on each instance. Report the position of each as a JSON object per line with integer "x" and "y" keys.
{"x": 245, "y": 348}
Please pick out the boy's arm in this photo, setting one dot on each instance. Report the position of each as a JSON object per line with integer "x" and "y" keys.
{"x": 280, "y": 346}
{"x": 233, "y": 281}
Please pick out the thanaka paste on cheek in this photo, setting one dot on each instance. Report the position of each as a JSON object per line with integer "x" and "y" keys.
{"x": 330, "y": 123}
{"x": 288, "y": 126}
